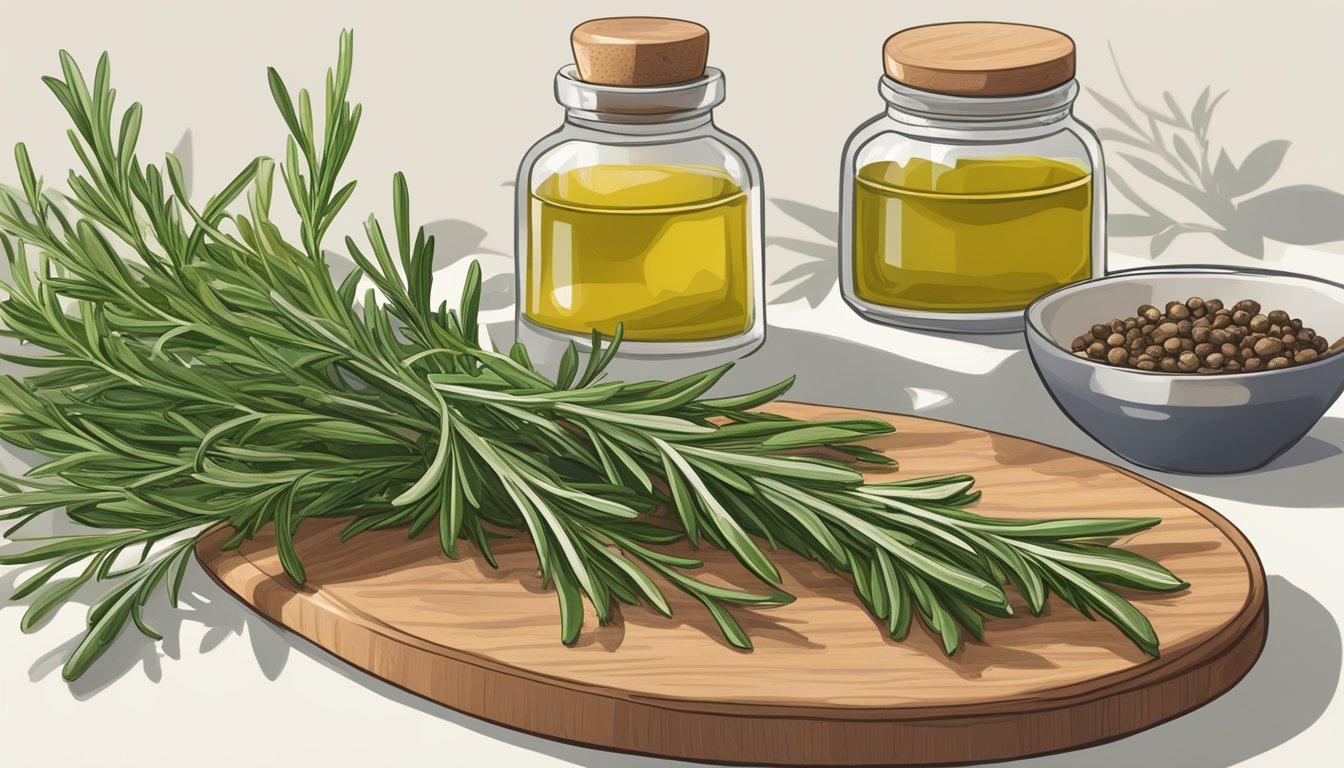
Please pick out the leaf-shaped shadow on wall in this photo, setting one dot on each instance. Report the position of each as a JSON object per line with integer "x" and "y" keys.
{"x": 455, "y": 240}
{"x": 1173, "y": 149}
{"x": 813, "y": 278}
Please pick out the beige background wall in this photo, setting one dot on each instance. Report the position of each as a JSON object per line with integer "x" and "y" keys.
{"x": 454, "y": 93}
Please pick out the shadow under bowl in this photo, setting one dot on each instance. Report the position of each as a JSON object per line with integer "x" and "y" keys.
{"x": 1206, "y": 424}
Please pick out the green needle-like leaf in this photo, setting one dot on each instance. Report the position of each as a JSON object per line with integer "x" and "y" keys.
{"x": 191, "y": 367}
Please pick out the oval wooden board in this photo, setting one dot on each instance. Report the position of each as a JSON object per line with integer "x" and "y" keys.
{"x": 824, "y": 685}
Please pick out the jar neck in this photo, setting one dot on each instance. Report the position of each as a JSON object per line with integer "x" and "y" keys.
{"x": 927, "y": 109}
{"x": 635, "y": 110}
{"x": 649, "y": 128}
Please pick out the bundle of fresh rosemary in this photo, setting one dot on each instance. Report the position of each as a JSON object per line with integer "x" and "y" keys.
{"x": 199, "y": 368}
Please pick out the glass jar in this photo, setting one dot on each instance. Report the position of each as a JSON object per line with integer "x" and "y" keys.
{"x": 976, "y": 191}
{"x": 640, "y": 211}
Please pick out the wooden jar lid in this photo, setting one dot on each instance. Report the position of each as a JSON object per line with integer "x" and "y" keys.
{"x": 980, "y": 58}
{"x": 639, "y": 50}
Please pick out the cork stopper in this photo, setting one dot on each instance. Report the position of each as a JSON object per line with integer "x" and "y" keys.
{"x": 639, "y": 51}
{"x": 980, "y": 58}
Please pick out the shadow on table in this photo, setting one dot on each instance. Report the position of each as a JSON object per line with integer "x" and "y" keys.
{"x": 201, "y": 602}
{"x": 1010, "y": 399}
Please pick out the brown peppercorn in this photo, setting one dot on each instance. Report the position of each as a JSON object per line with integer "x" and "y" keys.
{"x": 1268, "y": 347}
{"x": 1203, "y": 336}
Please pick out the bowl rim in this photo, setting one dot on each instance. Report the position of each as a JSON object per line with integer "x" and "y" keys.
{"x": 1031, "y": 316}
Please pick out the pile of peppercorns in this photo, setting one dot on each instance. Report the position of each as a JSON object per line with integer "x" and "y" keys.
{"x": 1203, "y": 336}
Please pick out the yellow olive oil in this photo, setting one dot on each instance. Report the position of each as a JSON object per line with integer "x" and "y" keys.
{"x": 982, "y": 235}
{"x": 663, "y": 249}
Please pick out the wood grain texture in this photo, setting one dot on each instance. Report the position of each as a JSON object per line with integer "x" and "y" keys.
{"x": 639, "y": 50}
{"x": 824, "y": 685}
{"x": 980, "y": 58}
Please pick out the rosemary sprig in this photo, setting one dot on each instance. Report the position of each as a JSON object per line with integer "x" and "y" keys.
{"x": 196, "y": 368}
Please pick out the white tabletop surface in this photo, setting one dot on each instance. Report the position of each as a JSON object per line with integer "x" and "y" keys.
{"x": 454, "y": 97}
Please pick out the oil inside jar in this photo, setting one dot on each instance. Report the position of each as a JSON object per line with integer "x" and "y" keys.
{"x": 982, "y": 235}
{"x": 662, "y": 249}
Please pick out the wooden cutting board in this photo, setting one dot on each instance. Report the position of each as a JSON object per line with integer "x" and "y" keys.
{"x": 824, "y": 685}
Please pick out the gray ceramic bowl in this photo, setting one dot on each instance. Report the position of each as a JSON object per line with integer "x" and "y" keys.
{"x": 1195, "y": 424}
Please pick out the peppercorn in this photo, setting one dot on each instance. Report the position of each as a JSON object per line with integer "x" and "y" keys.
{"x": 1268, "y": 347}
{"x": 1203, "y": 336}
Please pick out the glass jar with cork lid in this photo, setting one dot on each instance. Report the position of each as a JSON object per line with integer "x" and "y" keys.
{"x": 638, "y": 210}
{"x": 976, "y": 191}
